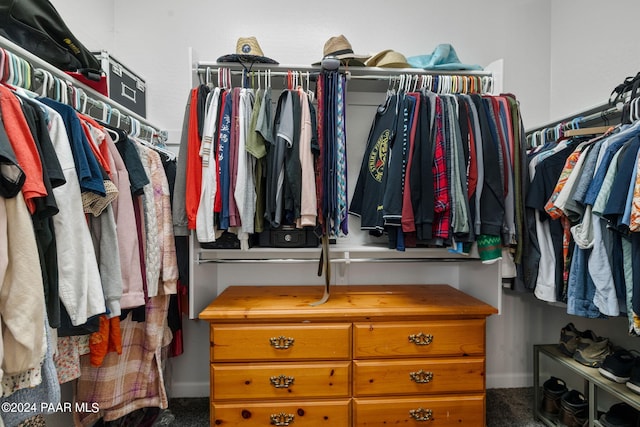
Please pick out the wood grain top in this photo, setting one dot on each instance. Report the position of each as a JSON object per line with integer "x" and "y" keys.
{"x": 348, "y": 302}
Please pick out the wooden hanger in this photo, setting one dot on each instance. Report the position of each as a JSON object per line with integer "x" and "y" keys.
{"x": 587, "y": 131}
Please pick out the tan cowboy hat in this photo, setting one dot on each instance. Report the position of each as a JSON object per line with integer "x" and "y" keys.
{"x": 247, "y": 50}
{"x": 339, "y": 47}
{"x": 388, "y": 59}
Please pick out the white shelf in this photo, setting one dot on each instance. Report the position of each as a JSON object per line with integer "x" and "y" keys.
{"x": 339, "y": 252}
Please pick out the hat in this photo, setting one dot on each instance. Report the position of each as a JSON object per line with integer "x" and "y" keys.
{"x": 340, "y": 48}
{"x": 247, "y": 50}
{"x": 388, "y": 59}
{"x": 443, "y": 57}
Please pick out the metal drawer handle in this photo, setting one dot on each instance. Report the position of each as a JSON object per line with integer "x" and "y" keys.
{"x": 421, "y": 414}
{"x": 281, "y": 342}
{"x": 281, "y": 419}
{"x": 421, "y": 377}
{"x": 281, "y": 381}
{"x": 421, "y": 338}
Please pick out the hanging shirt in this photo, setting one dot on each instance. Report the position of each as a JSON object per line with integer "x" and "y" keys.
{"x": 396, "y": 165}
{"x": 11, "y": 174}
{"x": 283, "y": 128}
{"x": 245, "y": 182}
{"x": 224, "y": 179}
{"x": 421, "y": 173}
{"x": 367, "y": 201}
{"x": 205, "y": 224}
{"x": 194, "y": 164}
{"x": 87, "y": 166}
{"x": 308, "y": 202}
{"x": 23, "y": 146}
{"x": 440, "y": 178}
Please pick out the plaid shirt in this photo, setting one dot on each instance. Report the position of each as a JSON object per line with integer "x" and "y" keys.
{"x": 440, "y": 179}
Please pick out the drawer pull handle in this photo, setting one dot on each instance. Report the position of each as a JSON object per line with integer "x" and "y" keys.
{"x": 281, "y": 381}
{"x": 421, "y": 414}
{"x": 421, "y": 338}
{"x": 421, "y": 377}
{"x": 281, "y": 419}
{"x": 281, "y": 342}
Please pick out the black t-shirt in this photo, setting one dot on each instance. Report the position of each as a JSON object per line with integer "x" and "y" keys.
{"x": 369, "y": 191}
{"x": 137, "y": 176}
{"x": 548, "y": 172}
{"x": 11, "y": 175}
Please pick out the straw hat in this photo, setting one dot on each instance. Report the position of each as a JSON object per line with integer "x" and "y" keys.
{"x": 388, "y": 59}
{"x": 247, "y": 50}
{"x": 339, "y": 47}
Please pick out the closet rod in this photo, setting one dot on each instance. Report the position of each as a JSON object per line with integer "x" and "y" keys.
{"x": 365, "y": 73}
{"x": 334, "y": 260}
{"x": 94, "y": 96}
{"x": 598, "y": 112}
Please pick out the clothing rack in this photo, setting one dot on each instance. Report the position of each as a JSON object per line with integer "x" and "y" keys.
{"x": 600, "y": 114}
{"x": 108, "y": 110}
{"x": 376, "y": 75}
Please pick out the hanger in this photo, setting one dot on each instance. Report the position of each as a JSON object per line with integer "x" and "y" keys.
{"x": 83, "y": 105}
{"x": 106, "y": 112}
{"x": 311, "y": 94}
{"x": 136, "y": 127}
{"x": 208, "y": 77}
{"x": 115, "y": 110}
{"x": 597, "y": 130}
{"x": 115, "y": 136}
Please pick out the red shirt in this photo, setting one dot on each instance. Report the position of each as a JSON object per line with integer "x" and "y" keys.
{"x": 24, "y": 147}
{"x": 194, "y": 164}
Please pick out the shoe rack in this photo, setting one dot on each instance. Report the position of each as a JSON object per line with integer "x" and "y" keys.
{"x": 594, "y": 384}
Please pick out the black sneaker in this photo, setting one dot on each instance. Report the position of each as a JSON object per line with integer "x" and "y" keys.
{"x": 617, "y": 366}
{"x": 552, "y": 391}
{"x": 620, "y": 415}
{"x": 634, "y": 381}
{"x": 574, "y": 409}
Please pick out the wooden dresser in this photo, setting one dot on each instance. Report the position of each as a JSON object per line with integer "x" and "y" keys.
{"x": 376, "y": 355}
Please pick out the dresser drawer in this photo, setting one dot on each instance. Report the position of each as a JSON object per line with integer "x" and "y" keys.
{"x": 458, "y": 410}
{"x": 280, "y": 380}
{"x": 429, "y": 338}
{"x": 327, "y": 413}
{"x": 327, "y": 341}
{"x": 418, "y": 376}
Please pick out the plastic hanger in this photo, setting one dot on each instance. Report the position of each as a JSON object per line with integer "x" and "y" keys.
{"x": 106, "y": 112}
{"x": 83, "y": 103}
{"x": 115, "y": 110}
{"x": 115, "y": 136}
{"x": 310, "y": 93}
{"x": 3, "y": 61}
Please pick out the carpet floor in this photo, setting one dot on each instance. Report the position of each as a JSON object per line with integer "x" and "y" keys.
{"x": 505, "y": 408}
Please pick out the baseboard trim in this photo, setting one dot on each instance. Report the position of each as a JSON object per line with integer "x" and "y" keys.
{"x": 188, "y": 389}
{"x": 509, "y": 380}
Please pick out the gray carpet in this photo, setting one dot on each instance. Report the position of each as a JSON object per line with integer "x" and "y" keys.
{"x": 510, "y": 407}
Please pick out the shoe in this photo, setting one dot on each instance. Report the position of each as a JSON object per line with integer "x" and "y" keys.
{"x": 620, "y": 415}
{"x": 617, "y": 366}
{"x": 592, "y": 350}
{"x": 552, "y": 391}
{"x": 634, "y": 381}
{"x": 569, "y": 339}
{"x": 574, "y": 409}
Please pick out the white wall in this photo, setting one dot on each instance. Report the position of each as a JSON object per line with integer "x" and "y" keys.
{"x": 152, "y": 37}
{"x": 559, "y": 57}
{"x": 594, "y": 46}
